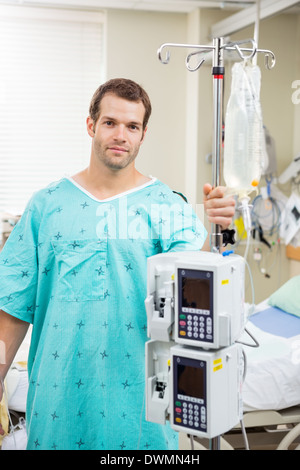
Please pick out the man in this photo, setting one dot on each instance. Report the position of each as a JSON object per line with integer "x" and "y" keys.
{"x": 75, "y": 267}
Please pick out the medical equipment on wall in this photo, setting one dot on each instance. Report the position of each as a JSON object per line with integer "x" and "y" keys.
{"x": 194, "y": 367}
{"x": 290, "y": 216}
{"x": 271, "y": 167}
{"x": 290, "y": 224}
{"x": 291, "y": 171}
{"x": 267, "y": 208}
{"x": 266, "y": 218}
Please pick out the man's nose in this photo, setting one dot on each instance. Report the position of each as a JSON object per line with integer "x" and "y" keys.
{"x": 119, "y": 133}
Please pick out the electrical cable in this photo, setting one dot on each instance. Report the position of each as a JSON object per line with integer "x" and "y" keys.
{"x": 244, "y": 434}
{"x": 259, "y": 216}
{"x": 192, "y": 442}
{"x": 256, "y": 343}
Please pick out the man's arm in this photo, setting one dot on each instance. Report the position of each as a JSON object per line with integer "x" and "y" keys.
{"x": 12, "y": 333}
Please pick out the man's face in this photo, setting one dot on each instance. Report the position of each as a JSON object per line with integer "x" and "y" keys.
{"x": 118, "y": 132}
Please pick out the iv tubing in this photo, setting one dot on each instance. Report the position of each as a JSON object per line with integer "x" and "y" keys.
{"x": 245, "y": 209}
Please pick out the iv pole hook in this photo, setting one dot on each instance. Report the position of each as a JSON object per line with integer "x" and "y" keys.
{"x": 166, "y": 58}
{"x": 270, "y": 59}
{"x": 236, "y": 46}
{"x": 198, "y": 65}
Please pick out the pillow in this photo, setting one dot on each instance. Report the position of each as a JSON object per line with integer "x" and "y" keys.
{"x": 287, "y": 297}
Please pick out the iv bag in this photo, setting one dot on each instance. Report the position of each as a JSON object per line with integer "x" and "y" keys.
{"x": 244, "y": 143}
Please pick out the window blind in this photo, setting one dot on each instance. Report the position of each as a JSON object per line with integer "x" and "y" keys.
{"x": 50, "y": 65}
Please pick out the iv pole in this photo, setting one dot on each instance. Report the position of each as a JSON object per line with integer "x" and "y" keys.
{"x": 216, "y": 238}
{"x": 218, "y": 47}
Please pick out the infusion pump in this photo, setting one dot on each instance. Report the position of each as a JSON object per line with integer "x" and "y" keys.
{"x": 194, "y": 367}
{"x": 195, "y": 298}
{"x": 198, "y": 391}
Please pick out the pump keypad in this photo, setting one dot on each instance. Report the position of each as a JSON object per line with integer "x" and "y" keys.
{"x": 195, "y": 324}
{"x": 190, "y": 414}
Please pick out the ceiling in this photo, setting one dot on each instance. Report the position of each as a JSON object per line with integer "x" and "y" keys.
{"x": 244, "y": 12}
{"x": 151, "y": 5}
{"x": 180, "y": 6}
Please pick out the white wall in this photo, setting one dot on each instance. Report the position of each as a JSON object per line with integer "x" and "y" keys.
{"x": 132, "y": 42}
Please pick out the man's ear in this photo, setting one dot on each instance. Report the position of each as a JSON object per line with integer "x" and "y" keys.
{"x": 90, "y": 126}
{"x": 144, "y": 134}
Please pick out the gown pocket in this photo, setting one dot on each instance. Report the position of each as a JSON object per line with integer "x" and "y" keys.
{"x": 81, "y": 269}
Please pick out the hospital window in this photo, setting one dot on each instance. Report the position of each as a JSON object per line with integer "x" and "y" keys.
{"x": 51, "y": 62}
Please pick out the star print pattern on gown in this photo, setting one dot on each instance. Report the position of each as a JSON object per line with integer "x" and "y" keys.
{"x": 76, "y": 268}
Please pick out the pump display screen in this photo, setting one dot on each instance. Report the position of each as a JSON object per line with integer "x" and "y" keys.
{"x": 195, "y": 293}
{"x": 191, "y": 381}
{"x": 195, "y": 305}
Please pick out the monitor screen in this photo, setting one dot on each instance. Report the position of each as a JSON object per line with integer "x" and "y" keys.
{"x": 196, "y": 293}
{"x": 191, "y": 381}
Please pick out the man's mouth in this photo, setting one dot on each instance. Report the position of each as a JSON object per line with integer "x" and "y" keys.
{"x": 117, "y": 149}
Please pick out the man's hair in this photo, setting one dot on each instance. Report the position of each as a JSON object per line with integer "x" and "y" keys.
{"x": 123, "y": 88}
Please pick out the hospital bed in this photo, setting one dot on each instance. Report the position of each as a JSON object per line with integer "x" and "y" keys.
{"x": 271, "y": 388}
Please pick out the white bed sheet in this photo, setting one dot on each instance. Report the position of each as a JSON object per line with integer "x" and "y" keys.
{"x": 272, "y": 379}
{"x": 17, "y": 377}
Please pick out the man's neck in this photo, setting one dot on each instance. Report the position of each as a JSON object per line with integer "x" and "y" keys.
{"x": 108, "y": 183}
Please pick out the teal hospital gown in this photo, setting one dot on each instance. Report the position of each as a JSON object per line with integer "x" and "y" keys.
{"x": 76, "y": 268}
